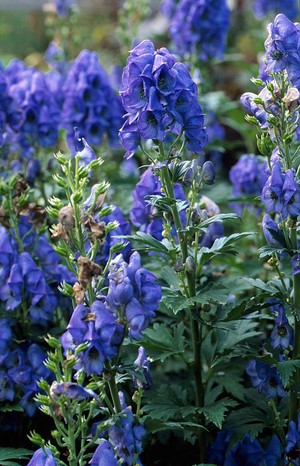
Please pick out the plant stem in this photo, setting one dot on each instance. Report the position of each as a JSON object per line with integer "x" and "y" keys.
{"x": 195, "y": 325}
{"x": 294, "y": 401}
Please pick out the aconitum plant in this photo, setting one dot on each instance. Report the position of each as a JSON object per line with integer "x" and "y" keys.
{"x": 160, "y": 98}
{"x": 90, "y": 103}
{"x": 206, "y": 23}
{"x": 289, "y": 8}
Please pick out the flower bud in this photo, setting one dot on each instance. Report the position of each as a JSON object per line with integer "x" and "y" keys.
{"x": 190, "y": 264}
{"x": 178, "y": 266}
{"x": 208, "y": 173}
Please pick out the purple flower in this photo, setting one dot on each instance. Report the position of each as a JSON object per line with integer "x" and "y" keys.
{"x": 126, "y": 437}
{"x": 287, "y": 7}
{"x": 272, "y": 193}
{"x": 282, "y": 48}
{"x": 42, "y": 457}
{"x": 293, "y": 444}
{"x": 90, "y": 102}
{"x": 143, "y": 362}
{"x": 97, "y": 326}
{"x": 71, "y": 390}
{"x": 159, "y": 97}
{"x": 273, "y": 235}
{"x": 104, "y": 455}
{"x": 133, "y": 293}
{"x": 248, "y": 178}
{"x": 265, "y": 378}
{"x": 198, "y": 26}
{"x": 282, "y": 333}
{"x": 63, "y": 7}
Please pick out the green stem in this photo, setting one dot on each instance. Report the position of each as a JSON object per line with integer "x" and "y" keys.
{"x": 294, "y": 398}
{"x": 196, "y": 333}
{"x": 114, "y": 390}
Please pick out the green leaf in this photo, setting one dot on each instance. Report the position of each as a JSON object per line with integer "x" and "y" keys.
{"x": 286, "y": 369}
{"x": 215, "y": 412}
{"x": 163, "y": 342}
{"x": 212, "y": 293}
{"x": 13, "y": 453}
{"x": 166, "y": 403}
{"x": 270, "y": 250}
{"x": 146, "y": 242}
{"x": 222, "y": 245}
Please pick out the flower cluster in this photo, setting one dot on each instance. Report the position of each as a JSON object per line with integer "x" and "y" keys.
{"x": 39, "y": 112}
{"x": 97, "y": 326}
{"x": 90, "y": 102}
{"x": 248, "y": 178}
{"x": 159, "y": 97}
{"x": 30, "y": 272}
{"x": 132, "y": 299}
{"x": 133, "y": 293}
{"x": 247, "y": 452}
{"x": 281, "y": 193}
{"x": 206, "y": 23}
{"x": 282, "y": 49}
{"x": 287, "y": 7}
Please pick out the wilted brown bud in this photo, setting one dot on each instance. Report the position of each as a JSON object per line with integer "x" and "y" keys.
{"x": 20, "y": 187}
{"x": 210, "y": 206}
{"x": 4, "y": 219}
{"x": 60, "y": 232}
{"x": 36, "y": 214}
{"x": 79, "y": 293}
{"x": 97, "y": 229}
{"x": 87, "y": 270}
{"x": 291, "y": 98}
{"x": 66, "y": 217}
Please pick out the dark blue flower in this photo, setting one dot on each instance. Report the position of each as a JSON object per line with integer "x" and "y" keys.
{"x": 292, "y": 449}
{"x": 42, "y": 457}
{"x": 198, "y": 26}
{"x": 143, "y": 362}
{"x": 287, "y": 7}
{"x": 71, "y": 390}
{"x": 265, "y": 378}
{"x": 282, "y": 333}
{"x": 160, "y": 97}
{"x": 104, "y": 455}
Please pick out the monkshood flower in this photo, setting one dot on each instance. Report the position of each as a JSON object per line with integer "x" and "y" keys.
{"x": 246, "y": 452}
{"x": 143, "y": 362}
{"x": 272, "y": 234}
{"x": 159, "y": 97}
{"x": 288, "y": 7}
{"x": 97, "y": 326}
{"x": 133, "y": 293}
{"x": 282, "y": 48}
{"x": 126, "y": 437}
{"x": 63, "y": 7}
{"x": 292, "y": 449}
{"x": 198, "y": 26}
{"x": 282, "y": 333}
{"x": 104, "y": 455}
{"x": 248, "y": 178}
{"x": 258, "y": 110}
{"x": 265, "y": 378}
{"x": 40, "y": 114}
{"x": 142, "y": 214}
{"x": 90, "y": 102}
{"x": 42, "y": 457}
{"x": 83, "y": 150}
{"x": 71, "y": 390}
{"x": 281, "y": 193}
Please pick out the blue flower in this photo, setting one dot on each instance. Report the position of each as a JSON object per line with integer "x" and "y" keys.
{"x": 143, "y": 362}
{"x": 198, "y": 26}
{"x": 287, "y": 7}
{"x": 292, "y": 449}
{"x": 265, "y": 378}
{"x": 42, "y": 457}
{"x": 159, "y": 97}
{"x": 282, "y": 333}
{"x": 104, "y": 455}
{"x": 71, "y": 390}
